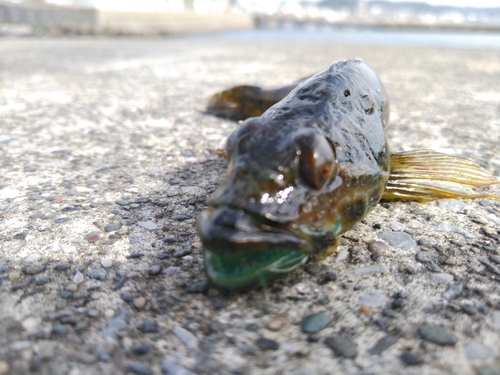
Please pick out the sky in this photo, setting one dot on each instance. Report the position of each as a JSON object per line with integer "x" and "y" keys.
{"x": 460, "y": 3}
{"x": 463, "y": 3}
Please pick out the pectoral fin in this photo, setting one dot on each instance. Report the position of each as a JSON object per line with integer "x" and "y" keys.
{"x": 426, "y": 175}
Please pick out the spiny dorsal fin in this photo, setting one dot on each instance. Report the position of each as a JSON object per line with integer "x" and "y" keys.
{"x": 419, "y": 175}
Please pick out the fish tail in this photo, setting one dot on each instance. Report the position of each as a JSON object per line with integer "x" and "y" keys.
{"x": 426, "y": 175}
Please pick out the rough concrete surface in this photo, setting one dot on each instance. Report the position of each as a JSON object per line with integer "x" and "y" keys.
{"x": 106, "y": 159}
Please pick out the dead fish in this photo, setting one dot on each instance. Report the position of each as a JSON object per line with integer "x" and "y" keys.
{"x": 308, "y": 169}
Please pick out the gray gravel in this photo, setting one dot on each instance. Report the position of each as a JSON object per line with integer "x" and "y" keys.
{"x": 106, "y": 159}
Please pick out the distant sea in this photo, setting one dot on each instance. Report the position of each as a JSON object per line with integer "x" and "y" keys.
{"x": 370, "y": 36}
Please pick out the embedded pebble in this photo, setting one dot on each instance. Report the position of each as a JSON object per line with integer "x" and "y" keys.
{"x": 112, "y": 227}
{"x": 495, "y": 259}
{"x": 59, "y": 330}
{"x": 72, "y": 287}
{"x": 398, "y": 303}
{"x": 198, "y": 287}
{"x": 127, "y": 297}
{"x": 475, "y": 350}
{"x": 149, "y": 225}
{"x": 14, "y": 276}
{"x": 433, "y": 267}
{"x": 450, "y": 261}
{"x": 342, "y": 346}
{"x": 141, "y": 349}
{"x": 62, "y": 267}
{"x": 437, "y": 334}
{"x": 139, "y": 368}
{"x": 411, "y": 359}
{"x": 34, "y": 269}
{"x": 314, "y": 323}
{"x": 446, "y": 226}
{"x": 118, "y": 323}
{"x": 93, "y": 237}
{"x": 81, "y": 326}
{"x": 172, "y": 270}
{"x": 397, "y": 226}
{"x": 21, "y": 345}
{"x": 67, "y": 249}
{"x": 495, "y": 219}
{"x": 44, "y": 280}
{"x": 139, "y": 302}
{"x": 60, "y": 314}
{"x": 490, "y": 267}
{"x": 82, "y": 189}
{"x": 31, "y": 258}
{"x": 383, "y": 344}
{"x": 9, "y": 192}
{"x": 426, "y": 257}
{"x": 187, "y": 338}
{"x": 414, "y": 224}
{"x": 488, "y": 370}
{"x": 442, "y": 278}
{"x": 303, "y": 288}
{"x": 207, "y": 366}
{"x": 148, "y": 326}
{"x": 93, "y": 313}
{"x": 451, "y": 205}
{"x": 78, "y": 278}
{"x": 180, "y": 217}
{"x": 399, "y": 240}
{"x": 342, "y": 255}
{"x": 495, "y": 317}
{"x": 489, "y": 231}
{"x": 375, "y": 268}
{"x": 154, "y": 270}
{"x": 377, "y": 247}
{"x": 60, "y": 220}
{"x": 4, "y": 366}
{"x": 169, "y": 367}
{"x": 316, "y": 268}
{"x": 21, "y": 235}
{"x": 372, "y": 299}
{"x": 267, "y": 344}
{"x": 277, "y": 323}
{"x": 22, "y": 284}
{"x": 106, "y": 263}
{"x": 453, "y": 291}
{"x": 97, "y": 273}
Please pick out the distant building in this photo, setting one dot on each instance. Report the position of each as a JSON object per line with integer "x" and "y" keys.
{"x": 199, "y": 6}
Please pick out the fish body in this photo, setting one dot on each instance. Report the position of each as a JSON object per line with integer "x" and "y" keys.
{"x": 304, "y": 172}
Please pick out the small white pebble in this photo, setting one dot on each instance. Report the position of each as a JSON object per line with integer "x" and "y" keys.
{"x": 105, "y": 262}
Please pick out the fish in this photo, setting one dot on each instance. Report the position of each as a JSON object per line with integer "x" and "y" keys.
{"x": 310, "y": 162}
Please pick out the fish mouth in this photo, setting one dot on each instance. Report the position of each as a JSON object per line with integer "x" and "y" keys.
{"x": 242, "y": 251}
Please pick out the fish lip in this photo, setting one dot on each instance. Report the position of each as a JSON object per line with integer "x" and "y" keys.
{"x": 225, "y": 230}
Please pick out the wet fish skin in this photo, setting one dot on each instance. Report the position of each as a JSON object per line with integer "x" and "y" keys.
{"x": 308, "y": 169}
{"x": 332, "y": 123}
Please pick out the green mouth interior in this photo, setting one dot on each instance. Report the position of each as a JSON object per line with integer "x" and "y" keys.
{"x": 243, "y": 271}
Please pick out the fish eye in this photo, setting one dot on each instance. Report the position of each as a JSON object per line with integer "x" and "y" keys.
{"x": 317, "y": 163}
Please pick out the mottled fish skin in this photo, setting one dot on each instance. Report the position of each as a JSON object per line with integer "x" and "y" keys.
{"x": 244, "y": 101}
{"x": 268, "y": 201}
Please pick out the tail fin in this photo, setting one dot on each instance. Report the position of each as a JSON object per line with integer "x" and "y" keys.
{"x": 426, "y": 175}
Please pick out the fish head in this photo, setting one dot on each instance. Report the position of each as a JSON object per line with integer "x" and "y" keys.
{"x": 267, "y": 218}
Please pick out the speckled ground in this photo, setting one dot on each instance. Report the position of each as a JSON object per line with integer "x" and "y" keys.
{"x": 106, "y": 159}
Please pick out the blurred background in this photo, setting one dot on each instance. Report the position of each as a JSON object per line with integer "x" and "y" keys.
{"x": 174, "y": 17}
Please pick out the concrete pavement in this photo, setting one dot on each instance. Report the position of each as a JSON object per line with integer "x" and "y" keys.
{"x": 106, "y": 159}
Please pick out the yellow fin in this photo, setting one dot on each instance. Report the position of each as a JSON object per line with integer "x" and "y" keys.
{"x": 426, "y": 175}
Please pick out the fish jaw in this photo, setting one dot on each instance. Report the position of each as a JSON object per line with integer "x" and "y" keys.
{"x": 240, "y": 253}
